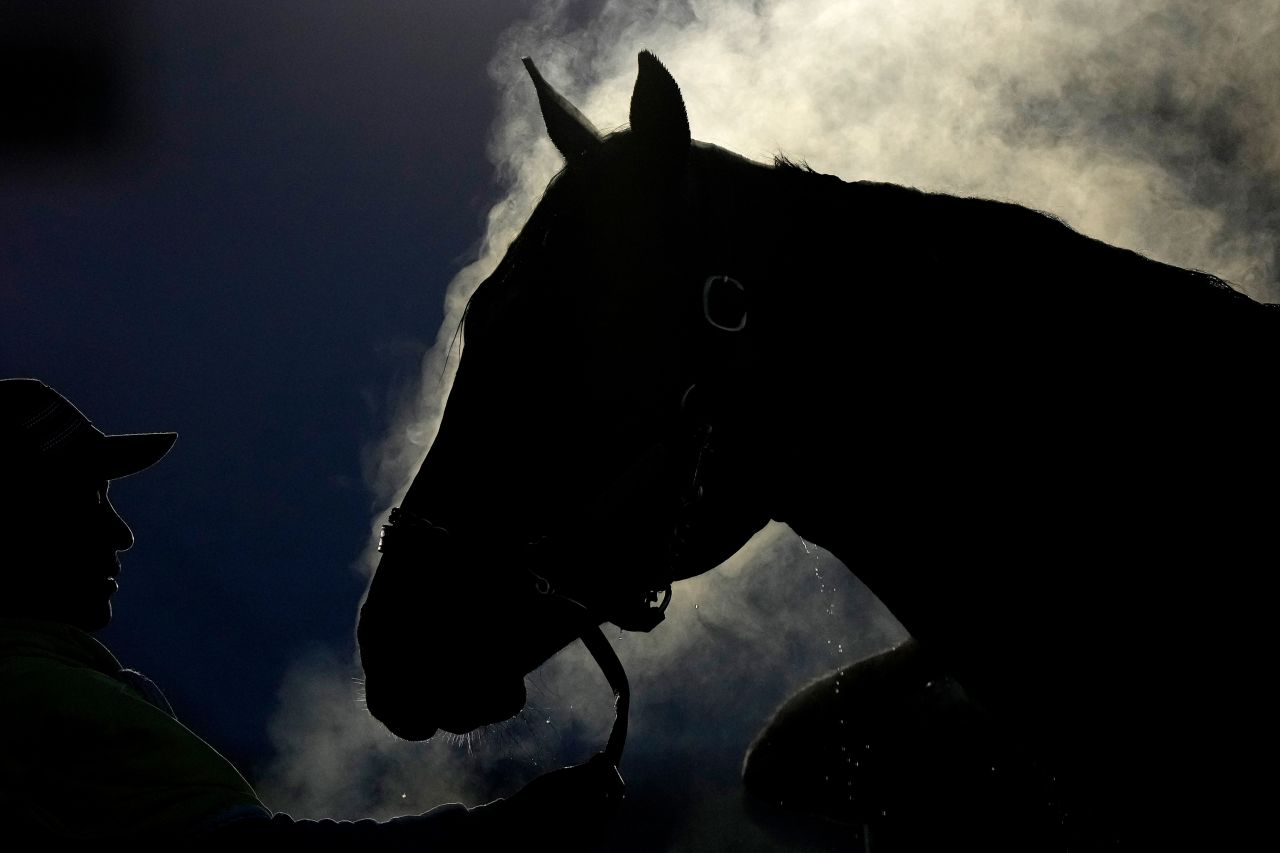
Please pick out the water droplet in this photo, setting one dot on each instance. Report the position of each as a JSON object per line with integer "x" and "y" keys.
{"x": 403, "y": 796}
{"x": 548, "y": 719}
{"x": 695, "y": 607}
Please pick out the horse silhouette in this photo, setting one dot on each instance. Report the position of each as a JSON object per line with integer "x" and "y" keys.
{"x": 1048, "y": 456}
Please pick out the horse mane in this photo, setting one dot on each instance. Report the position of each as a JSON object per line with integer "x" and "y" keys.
{"x": 1024, "y": 231}
{"x": 782, "y": 162}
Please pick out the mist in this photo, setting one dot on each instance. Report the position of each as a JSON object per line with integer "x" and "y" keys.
{"x": 1150, "y": 124}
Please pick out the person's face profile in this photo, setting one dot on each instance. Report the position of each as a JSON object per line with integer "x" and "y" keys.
{"x": 68, "y": 535}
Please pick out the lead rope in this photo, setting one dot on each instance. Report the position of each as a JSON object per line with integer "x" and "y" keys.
{"x": 607, "y": 659}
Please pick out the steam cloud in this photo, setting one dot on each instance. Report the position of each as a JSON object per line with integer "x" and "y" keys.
{"x": 1151, "y": 124}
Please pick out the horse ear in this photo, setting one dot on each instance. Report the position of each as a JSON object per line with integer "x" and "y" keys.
{"x": 570, "y": 131}
{"x": 657, "y": 109}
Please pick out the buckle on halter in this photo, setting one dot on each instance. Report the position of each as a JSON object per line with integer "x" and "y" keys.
{"x": 402, "y": 522}
{"x": 729, "y": 311}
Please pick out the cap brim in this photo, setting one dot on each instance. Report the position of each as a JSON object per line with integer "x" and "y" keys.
{"x": 123, "y": 455}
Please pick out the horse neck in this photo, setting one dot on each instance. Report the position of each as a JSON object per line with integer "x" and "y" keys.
{"x": 812, "y": 321}
{"x": 866, "y": 344}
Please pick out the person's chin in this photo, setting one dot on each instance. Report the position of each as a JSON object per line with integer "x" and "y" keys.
{"x": 93, "y": 616}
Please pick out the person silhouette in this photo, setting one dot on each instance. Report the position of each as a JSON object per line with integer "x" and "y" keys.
{"x": 92, "y": 751}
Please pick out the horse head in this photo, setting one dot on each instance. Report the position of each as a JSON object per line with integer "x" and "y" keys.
{"x": 578, "y": 469}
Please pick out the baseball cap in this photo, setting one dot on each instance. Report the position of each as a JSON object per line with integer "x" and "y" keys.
{"x": 41, "y": 430}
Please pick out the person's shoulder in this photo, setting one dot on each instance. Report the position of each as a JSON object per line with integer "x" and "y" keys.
{"x": 39, "y": 691}
{"x": 39, "y": 685}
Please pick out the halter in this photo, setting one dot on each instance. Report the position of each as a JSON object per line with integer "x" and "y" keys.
{"x": 724, "y": 311}
{"x": 406, "y": 528}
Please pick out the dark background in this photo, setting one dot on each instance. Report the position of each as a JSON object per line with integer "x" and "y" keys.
{"x": 236, "y": 220}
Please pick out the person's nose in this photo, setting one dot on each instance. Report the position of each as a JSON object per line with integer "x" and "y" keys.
{"x": 121, "y": 535}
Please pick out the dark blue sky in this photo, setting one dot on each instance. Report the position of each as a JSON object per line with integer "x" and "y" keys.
{"x": 236, "y": 221}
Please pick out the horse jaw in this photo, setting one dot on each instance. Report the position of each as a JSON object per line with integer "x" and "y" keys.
{"x": 416, "y": 711}
{"x": 431, "y": 665}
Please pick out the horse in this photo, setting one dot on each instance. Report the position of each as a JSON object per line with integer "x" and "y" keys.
{"x": 1046, "y": 455}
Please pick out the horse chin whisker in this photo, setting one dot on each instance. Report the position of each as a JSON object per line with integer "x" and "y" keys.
{"x": 457, "y": 741}
{"x": 510, "y": 732}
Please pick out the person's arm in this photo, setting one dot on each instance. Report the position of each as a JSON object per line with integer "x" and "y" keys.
{"x": 444, "y": 828}
{"x": 565, "y": 808}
